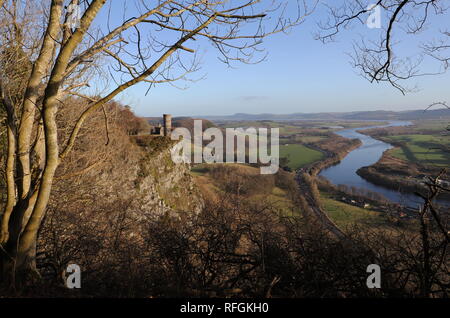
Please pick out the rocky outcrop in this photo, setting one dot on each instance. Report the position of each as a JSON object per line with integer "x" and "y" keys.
{"x": 165, "y": 187}
{"x": 137, "y": 175}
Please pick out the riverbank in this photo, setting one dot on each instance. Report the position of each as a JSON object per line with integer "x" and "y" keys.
{"x": 406, "y": 174}
{"x": 398, "y": 175}
{"x": 368, "y": 154}
{"x": 334, "y": 150}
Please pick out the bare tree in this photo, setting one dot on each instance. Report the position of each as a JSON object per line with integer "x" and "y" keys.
{"x": 381, "y": 60}
{"x": 51, "y": 56}
{"x": 434, "y": 247}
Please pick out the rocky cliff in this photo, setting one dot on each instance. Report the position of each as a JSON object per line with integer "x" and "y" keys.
{"x": 163, "y": 186}
{"x": 135, "y": 173}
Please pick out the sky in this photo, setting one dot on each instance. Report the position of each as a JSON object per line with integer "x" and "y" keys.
{"x": 300, "y": 74}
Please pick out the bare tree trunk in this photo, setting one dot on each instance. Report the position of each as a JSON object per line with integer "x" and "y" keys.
{"x": 20, "y": 253}
{"x": 426, "y": 270}
{"x": 11, "y": 191}
{"x": 10, "y": 177}
{"x": 31, "y": 97}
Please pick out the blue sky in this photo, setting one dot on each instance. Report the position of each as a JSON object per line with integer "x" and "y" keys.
{"x": 300, "y": 74}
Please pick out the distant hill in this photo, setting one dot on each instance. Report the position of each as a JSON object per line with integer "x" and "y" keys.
{"x": 363, "y": 115}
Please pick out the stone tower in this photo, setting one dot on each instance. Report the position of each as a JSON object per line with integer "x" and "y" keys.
{"x": 167, "y": 124}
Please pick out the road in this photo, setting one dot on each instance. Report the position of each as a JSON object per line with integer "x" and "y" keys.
{"x": 314, "y": 211}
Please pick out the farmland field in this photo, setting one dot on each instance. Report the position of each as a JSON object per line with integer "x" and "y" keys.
{"x": 432, "y": 150}
{"x": 345, "y": 215}
{"x": 431, "y": 125}
{"x": 299, "y": 155}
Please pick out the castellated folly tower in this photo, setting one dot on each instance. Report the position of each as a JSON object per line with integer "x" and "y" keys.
{"x": 167, "y": 125}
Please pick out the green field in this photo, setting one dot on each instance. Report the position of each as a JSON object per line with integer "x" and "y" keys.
{"x": 345, "y": 214}
{"x": 299, "y": 155}
{"x": 432, "y": 150}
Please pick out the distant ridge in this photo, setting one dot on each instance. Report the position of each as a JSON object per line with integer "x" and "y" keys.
{"x": 362, "y": 115}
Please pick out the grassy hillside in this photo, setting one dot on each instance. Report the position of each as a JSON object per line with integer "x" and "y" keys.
{"x": 220, "y": 181}
{"x": 345, "y": 214}
{"x": 299, "y": 155}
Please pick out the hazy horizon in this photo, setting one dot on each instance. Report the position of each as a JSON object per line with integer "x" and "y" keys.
{"x": 281, "y": 114}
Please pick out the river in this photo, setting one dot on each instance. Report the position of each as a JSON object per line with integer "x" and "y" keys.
{"x": 367, "y": 154}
